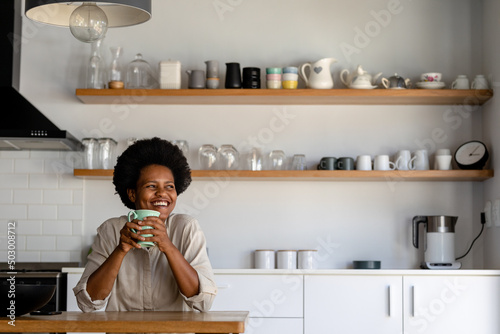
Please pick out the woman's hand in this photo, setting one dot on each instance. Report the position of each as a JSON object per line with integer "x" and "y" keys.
{"x": 128, "y": 239}
{"x": 159, "y": 232}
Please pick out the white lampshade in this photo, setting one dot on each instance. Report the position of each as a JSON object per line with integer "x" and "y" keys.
{"x": 120, "y": 13}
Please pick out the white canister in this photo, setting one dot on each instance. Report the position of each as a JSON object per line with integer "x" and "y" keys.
{"x": 170, "y": 74}
{"x": 264, "y": 259}
{"x": 306, "y": 259}
{"x": 287, "y": 259}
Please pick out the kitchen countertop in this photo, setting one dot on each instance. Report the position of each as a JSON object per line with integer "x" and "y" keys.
{"x": 131, "y": 322}
{"x": 399, "y": 272}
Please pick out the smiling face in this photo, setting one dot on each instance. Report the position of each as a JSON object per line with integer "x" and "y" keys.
{"x": 155, "y": 190}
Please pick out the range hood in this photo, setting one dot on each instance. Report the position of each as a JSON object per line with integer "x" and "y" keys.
{"x": 22, "y": 125}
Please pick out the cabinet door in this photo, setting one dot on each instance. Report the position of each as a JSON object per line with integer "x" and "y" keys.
{"x": 451, "y": 304}
{"x": 264, "y": 296}
{"x": 353, "y": 304}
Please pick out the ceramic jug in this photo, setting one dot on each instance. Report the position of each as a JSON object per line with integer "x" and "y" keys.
{"x": 320, "y": 76}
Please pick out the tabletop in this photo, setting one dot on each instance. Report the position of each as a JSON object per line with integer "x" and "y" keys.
{"x": 129, "y": 322}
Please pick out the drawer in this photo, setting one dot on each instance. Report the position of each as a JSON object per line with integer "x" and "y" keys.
{"x": 264, "y": 296}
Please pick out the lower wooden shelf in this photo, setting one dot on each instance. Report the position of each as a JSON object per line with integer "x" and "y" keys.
{"x": 319, "y": 175}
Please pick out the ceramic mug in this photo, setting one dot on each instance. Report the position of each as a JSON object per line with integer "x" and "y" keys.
{"x": 402, "y": 160}
{"x": 264, "y": 259}
{"x": 480, "y": 82}
{"x": 140, "y": 215}
{"x": 420, "y": 160}
{"x": 381, "y": 162}
{"x": 196, "y": 79}
{"x": 443, "y": 162}
{"x": 364, "y": 162}
{"x": 287, "y": 259}
{"x": 327, "y": 163}
{"x": 345, "y": 163}
{"x": 461, "y": 82}
{"x": 441, "y": 151}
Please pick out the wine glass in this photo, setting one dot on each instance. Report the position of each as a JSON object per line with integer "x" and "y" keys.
{"x": 207, "y": 156}
{"x": 228, "y": 157}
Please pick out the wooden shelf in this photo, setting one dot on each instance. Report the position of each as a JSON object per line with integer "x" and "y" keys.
{"x": 285, "y": 96}
{"x": 319, "y": 175}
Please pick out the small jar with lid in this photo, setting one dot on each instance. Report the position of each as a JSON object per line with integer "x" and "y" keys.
{"x": 140, "y": 75}
{"x": 107, "y": 153}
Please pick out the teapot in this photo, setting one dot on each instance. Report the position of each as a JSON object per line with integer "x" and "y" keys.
{"x": 320, "y": 76}
{"x": 358, "y": 78}
{"x": 396, "y": 82}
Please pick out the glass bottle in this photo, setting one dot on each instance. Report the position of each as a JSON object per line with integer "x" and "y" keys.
{"x": 95, "y": 68}
{"x": 115, "y": 70}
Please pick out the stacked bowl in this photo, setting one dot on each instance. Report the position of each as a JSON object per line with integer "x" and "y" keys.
{"x": 290, "y": 77}
{"x": 273, "y": 77}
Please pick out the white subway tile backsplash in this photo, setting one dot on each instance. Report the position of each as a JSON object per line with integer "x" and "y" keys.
{"x": 6, "y": 196}
{"x": 26, "y": 196}
{"x": 13, "y": 181}
{"x": 57, "y": 227}
{"x": 43, "y": 181}
{"x": 15, "y": 212}
{"x": 38, "y": 191}
{"x": 68, "y": 181}
{"x": 34, "y": 166}
{"x": 40, "y": 243}
{"x": 28, "y": 256}
{"x": 57, "y": 256}
{"x": 6, "y": 166}
{"x": 70, "y": 212}
{"x": 57, "y": 197}
{"x": 69, "y": 243}
{"x": 29, "y": 227}
{"x": 42, "y": 211}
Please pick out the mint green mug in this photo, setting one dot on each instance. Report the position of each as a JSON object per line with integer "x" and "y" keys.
{"x": 140, "y": 215}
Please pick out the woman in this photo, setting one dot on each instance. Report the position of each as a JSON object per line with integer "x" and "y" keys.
{"x": 176, "y": 274}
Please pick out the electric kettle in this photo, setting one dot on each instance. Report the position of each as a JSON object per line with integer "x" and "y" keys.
{"x": 439, "y": 243}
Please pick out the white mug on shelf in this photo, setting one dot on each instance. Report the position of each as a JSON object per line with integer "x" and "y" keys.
{"x": 420, "y": 160}
{"x": 402, "y": 160}
{"x": 443, "y": 162}
{"x": 364, "y": 162}
{"x": 381, "y": 162}
{"x": 441, "y": 151}
{"x": 480, "y": 82}
{"x": 461, "y": 82}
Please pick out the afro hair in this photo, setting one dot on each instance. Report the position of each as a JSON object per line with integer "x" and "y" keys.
{"x": 146, "y": 152}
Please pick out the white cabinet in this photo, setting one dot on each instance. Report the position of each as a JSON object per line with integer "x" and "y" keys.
{"x": 395, "y": 304}
{"x": 275, "y": 302}
{"x": 352, "y": 304}
{"x": 451, "y": 304}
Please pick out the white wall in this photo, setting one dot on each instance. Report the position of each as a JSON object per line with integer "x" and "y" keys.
{"x": 345, "y": 221}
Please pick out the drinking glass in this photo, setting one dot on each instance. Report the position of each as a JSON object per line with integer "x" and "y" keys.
{"x": 254, "y": 159}
{"x": 207, "y": 156}
{"x": 228, "y": 157}
{"x": 299, "y": 162}
{"x": 277, "y": 160}
{"x": 107, "y": 148}
{"x": 183, "y": 145}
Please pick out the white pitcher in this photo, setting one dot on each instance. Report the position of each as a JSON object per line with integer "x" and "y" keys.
{"x": 320, "y": 76}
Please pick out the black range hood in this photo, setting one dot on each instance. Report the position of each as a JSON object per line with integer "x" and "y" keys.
{"x": 22, "y": 125}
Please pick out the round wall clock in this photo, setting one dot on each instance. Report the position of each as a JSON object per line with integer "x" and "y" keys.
{"x": 471, "y": 155}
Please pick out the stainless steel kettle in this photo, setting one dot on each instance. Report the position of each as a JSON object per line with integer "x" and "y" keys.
{"x": 439, "y": 241}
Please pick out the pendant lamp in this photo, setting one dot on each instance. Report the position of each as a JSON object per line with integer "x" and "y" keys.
{"x": 89, "y": 20}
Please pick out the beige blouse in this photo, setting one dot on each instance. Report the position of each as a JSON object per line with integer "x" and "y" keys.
{"x": 145, "y": 280}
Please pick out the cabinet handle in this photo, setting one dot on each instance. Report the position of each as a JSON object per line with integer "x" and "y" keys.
{"x": 223, "y": 286}
{"x": 389, "y": 295}
{"x": 413, "y": 297}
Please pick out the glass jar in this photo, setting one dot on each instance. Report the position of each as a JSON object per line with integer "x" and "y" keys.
{"x": 140, "y": 74}
{"x": 107, "y": 151}
{"x": 90, "y": 153}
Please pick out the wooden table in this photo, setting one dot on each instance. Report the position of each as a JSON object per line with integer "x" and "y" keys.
{"x": 130, "y": 322}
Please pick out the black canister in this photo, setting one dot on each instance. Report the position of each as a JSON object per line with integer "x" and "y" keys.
{"x": 233, "y": 75}
{"x": 251, "y": 77}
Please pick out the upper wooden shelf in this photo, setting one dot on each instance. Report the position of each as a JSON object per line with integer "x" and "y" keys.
{"x": 320, "y": 175}
{"x": 285, "y": 96}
